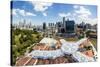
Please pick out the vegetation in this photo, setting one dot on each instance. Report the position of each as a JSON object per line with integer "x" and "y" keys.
{"x": 88, "y": 47}
{"x": 93, "y": 41}
{"x": 71, "y": 39}
{"x": 21, "y": 40}
{"x": 81, "y": 36}
{"x": 91, "y": 34}
{"x": 93, "y": 37}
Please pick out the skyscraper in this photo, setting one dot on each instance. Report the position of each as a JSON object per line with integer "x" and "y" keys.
{"x": 64, "y": 22}
{"x": 69, "y": 26}
{"x": 44, "y": 26}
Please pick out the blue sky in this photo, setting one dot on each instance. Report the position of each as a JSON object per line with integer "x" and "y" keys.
{"x": 39, "y": 12}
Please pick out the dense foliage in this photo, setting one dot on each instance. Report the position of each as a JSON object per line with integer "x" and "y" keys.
{"x": 21, "y": 40}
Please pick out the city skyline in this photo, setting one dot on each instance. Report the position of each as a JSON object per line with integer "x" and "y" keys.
{"x": 39, "y": 12}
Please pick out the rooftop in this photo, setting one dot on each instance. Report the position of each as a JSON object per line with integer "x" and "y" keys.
{"x": 44, "y": 47}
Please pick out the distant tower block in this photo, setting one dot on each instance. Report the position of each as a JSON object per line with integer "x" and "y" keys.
{"x": 64, "y": 22}
{"x": 44, "y": 26}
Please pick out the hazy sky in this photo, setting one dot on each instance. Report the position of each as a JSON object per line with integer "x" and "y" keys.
{"x": 39, "y": 12}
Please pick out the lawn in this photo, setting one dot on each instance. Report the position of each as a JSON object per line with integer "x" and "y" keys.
{"x": 71, "y": 39}
{"x": 94, "y": 42}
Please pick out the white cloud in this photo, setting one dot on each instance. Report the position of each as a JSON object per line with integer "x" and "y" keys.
{"x": 94, "y": 21}
{"x": 64, "y": 14}
{"x": 75, "y": 6}
{"x": 91, "y": 21}
{"x": 14, "y": 12}
{"x": 83, "y": 10}
{"x": 41, "y": 6}
{"x": 44, "y": 14}
{"x": 74, "y": 14}
{"x": 83, "y": 14}
{"x": 22, "y": 12}
{"x": 83, "y": 18}
{"x": 30, "y": 14}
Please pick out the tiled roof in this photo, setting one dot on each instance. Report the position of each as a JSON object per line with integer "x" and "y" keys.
{"x": 57, "y": 60}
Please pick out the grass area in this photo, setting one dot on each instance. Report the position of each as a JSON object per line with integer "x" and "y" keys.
{"x": 71, "y": 39}
{"x": 93, "y": 41}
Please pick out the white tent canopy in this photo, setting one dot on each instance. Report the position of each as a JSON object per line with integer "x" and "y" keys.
{"x": 63, "y": 41}
{"x": 81, "y": 57}
{"x": 66, "y": 48}
{"x": 69, "y": 48}
{"x": 49, "y": 41}
{"x": 46, "y": 54}
{"x": 81, "y": 41}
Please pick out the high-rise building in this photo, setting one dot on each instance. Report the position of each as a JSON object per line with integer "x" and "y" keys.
{"x": 70, "y": 26}
{"x": 59, "y": 26}
{"x": 63, "y": 21}
{"x": 66, "y": 26}
{"x": 87, "y": 26}
{"x": 51, "y": 25}
{"x": 44, "y": 26}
